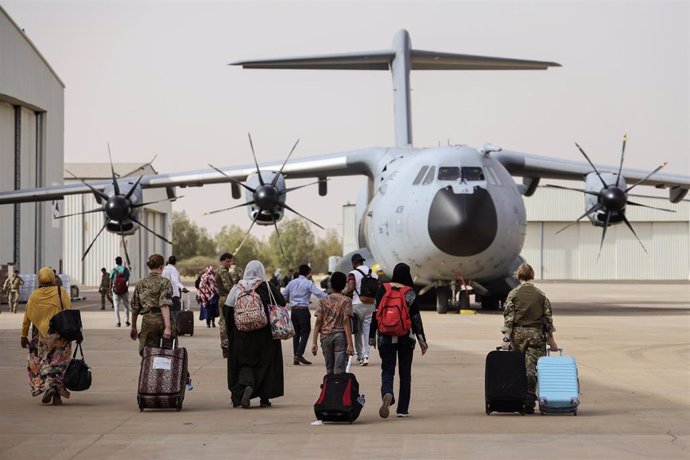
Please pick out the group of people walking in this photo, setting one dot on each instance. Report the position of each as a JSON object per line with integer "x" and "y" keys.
{"x": 348, "y": 322}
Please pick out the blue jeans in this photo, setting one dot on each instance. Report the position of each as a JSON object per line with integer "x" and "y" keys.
{"x": 388, "y": 352}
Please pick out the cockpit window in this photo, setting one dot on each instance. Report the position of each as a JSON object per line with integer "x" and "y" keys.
{"x": 448, "y": 173}
{"x": 430, "y": 175}
{"x": 472, "y": 173}
{"x": 420, "y": 175}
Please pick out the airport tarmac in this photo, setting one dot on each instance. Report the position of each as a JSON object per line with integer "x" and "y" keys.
{"x": 631, "y": 342}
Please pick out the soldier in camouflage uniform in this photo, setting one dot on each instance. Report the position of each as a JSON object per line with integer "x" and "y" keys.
{"x": 528, "y": 327}
{"x": 152, "y": 300}
{"x": 226, "y": 277}
{"x": 11, "y": 286}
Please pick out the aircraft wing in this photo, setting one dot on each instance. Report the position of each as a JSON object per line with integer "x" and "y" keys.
{"x": 537, "y": 166}
{"x": 358, "y": 162}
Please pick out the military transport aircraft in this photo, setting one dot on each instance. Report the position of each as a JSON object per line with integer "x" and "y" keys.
{"x": 451, "y": 212}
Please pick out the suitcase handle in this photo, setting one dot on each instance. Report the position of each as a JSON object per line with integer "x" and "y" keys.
{"x": 174, "y": 343}
{"x": 548, "y": 351}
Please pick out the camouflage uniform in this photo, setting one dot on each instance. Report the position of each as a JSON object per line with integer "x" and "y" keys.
{"x": 12, "y": 285}
{"x": 150, "y": 294}
{"x": 527, "y": 318}
{"x": 225, "y": 280}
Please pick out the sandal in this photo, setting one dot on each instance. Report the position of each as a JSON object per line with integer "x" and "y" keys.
{"x": 48, "y": 396}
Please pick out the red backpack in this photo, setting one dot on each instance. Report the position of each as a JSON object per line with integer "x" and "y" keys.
{"x": 393, "y": 313}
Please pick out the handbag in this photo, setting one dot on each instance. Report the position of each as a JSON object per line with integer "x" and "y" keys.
{"x": 67, "y": 323}
{"x": 279, "y": 319}
{"x": 78, "y": 373}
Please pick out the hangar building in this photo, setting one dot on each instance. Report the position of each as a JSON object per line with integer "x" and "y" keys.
{"x": 31, "y": 149}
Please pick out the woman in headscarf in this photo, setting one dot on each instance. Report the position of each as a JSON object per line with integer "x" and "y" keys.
{"x": 255, "y": 360}
{"x": 49, "y": 354}
{"x": 208, "y": 296}
{"x": 402, "y": 347}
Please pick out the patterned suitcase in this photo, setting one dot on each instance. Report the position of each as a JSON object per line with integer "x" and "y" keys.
{"x": 558, "y": 386}
{"x": 505, "y": 382}
{"x": 163, "y": 378}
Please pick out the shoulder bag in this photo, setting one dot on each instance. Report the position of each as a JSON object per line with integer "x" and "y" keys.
{"x": 279, "y": 318}
{"x": 66, "y": 323}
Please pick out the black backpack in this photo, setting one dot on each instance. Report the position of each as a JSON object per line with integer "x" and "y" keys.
{"x": 369, "y": 284}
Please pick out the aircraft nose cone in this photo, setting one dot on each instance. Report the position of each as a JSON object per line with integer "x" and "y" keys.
{"x": 117, "y": 208}
{"x": 462, "y": 224}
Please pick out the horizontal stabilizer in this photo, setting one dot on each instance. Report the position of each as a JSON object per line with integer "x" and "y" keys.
{"x": 432, "y": 60}
{"x": 381, "y": 60}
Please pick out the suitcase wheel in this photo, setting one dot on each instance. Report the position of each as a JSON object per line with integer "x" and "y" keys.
{"x": 178, "y": 405}
{"x": 141, "y": 404}
{"x": 488, "y": 410}
{"x": 191, "y": 334}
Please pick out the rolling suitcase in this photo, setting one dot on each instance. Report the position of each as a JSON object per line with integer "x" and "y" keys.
{"x": 163, "y": 377}
{"x": 558, "y": 386}
{"x": 339, "y": 400}
{"x": 505, "y": 382}
{"x": 185, "y": 318}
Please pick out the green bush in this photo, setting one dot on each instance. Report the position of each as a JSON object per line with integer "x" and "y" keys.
{"x": 194, "y": 265}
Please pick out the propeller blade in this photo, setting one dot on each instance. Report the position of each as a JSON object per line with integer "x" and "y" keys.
{"x": 258, "y": 171}
{"x": 131, "y": 190}
{"x": 650, "y": 207}
{"x": 298, "y": 187}
{"x": 124, "y": 246}
{"x": 247, "y": 234}
{"x": 591, "y": 164}
{"x": 620, "y": 168}
{"x": 594, "y": 208}
{"x": 603, "y": 233}
{"x": 99, "y": 194}
{"x": 141, "y": 168}
{"x": 80, "y": 213}
{"x": 275, "y": 178}
{"x": 625, "y": 219}
{"x": 107, "y": 221}
{"x": 647, "y": 176}
{"x": 150, "y": 231}
{"x": 233, "y": 180}
{"x": 303, "y": 217}
{"x": 280, "y": 244}
{"x": 573, "y": 189}
{"x": 112, "y": 169}
{"x": 140, "y": 205}
{"x": 248, "y": 203}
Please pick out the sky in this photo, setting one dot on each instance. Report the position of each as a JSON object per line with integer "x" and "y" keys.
{"x": 152, "y": 78}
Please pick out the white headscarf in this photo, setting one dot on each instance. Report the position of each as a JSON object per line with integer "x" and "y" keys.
{"x": 254, "y": 273}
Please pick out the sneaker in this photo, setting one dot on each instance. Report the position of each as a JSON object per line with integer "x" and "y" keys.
{"x": 405, "y": 415}
{"x": 365, "y": 361}
{"x": 265, "y": 403}
{"x": 57, "y": 400}
{"x": 48, "y": 396}
{"x": 246, "y": 397}
{"x": 384, "y": 411}
{"x": 118, "y": 324}
{"x": 359, "y": 361}
{"x": 128, "y": 323}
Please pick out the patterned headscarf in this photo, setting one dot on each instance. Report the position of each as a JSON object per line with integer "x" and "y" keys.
{"x": 254, "y": 274}
{"x": 207, "y": 286}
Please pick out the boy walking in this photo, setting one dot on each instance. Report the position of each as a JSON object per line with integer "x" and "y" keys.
{"x": 334, "y": 322}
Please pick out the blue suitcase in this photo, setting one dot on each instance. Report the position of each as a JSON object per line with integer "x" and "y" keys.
{"x": 558, "y": 386}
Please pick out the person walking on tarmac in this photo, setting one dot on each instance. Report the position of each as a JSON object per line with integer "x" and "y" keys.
{"x": 226, "y": 277}
{"x": 119, "y": 277}
{"x": 151, "y": 300}
{"x": 11, "y": 287}
{"x": 528, "y": 327}
{"x": 105, "y": 289}
{"x": 298, "y": 292}
{"x": 362, "y": 306}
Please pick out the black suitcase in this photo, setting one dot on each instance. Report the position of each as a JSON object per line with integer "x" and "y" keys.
{"x": 185, "y": 322}
{"x": 505, "y": 382}
{"x": 339, "y": 400}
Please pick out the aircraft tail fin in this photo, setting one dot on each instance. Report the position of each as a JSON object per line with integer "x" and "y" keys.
{"x": 399, "y": 60}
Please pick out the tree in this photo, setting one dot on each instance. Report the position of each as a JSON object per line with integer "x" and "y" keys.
{"x": 188, "y": 239}
{"x": 330, "y": 245}
{"x": 297, "y": 241}
{"x": 229, "y": 238}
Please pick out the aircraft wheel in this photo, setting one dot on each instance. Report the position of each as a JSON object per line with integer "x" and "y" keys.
{"x": 442, "y": 296}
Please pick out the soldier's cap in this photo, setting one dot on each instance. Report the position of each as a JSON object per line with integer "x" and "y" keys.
{"x": 357, "y": 257}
